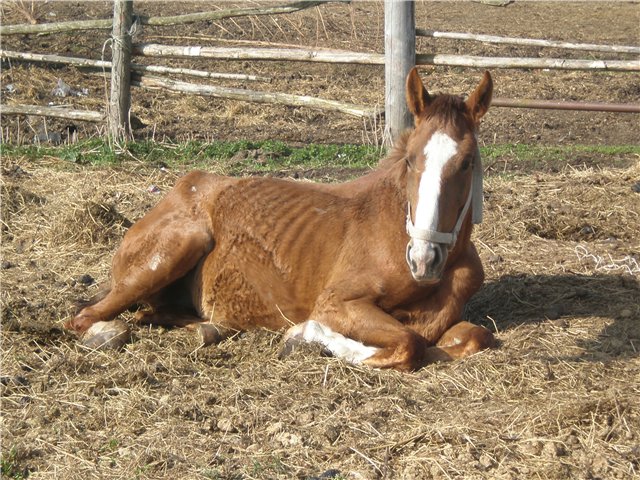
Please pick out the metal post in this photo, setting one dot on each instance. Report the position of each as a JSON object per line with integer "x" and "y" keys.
{"x": 400, "y": 57}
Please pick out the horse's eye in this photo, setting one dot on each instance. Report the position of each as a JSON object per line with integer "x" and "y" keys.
{"x": 466, "y": 163}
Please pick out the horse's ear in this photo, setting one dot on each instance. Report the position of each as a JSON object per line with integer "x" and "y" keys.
{"x": 418, "y": 98}
{"x": 479, "y": 101}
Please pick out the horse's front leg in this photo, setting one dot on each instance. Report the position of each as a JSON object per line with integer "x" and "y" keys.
{"x": 438, "y": 317}
{"x": 358, "y": 331}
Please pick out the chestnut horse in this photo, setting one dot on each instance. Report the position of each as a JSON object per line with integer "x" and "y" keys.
{"x": 377, "y": 269}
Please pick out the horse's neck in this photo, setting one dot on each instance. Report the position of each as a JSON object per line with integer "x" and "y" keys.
{"x": 387, "y": 177}
{"x": 392, "y": 190}
{"x": 383, "y": 194}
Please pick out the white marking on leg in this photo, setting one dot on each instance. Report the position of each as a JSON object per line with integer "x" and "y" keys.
{"x": 155, "y": 262}
{"x": 439, "y": 150}
{"x": 339, "y": 345}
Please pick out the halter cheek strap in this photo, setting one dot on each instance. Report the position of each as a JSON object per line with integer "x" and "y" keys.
{"x": 475, "y": 197}
{"x": 448, "y": 239}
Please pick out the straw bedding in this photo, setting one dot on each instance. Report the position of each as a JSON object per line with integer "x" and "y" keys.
{"x": 559, "y": 398}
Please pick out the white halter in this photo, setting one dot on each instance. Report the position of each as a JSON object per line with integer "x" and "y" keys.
{"x": 475, "y": 197}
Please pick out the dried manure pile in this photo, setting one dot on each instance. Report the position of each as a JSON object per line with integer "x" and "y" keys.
{"x": 559, "y": 398}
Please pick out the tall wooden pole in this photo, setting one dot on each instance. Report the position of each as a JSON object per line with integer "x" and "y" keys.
{"x": 120, "y": 100}
{"x": 400, "y": 57}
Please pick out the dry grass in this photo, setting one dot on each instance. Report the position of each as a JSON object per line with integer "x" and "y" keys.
{"x": 26, "y": 10}
{"x": 356, "y": 27}
{"x": 572, "y": 205}
{"x": 558, "y": 399}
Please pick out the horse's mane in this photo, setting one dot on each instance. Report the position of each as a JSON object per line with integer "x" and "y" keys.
{"x": 397, "y": 152}
{"x": 447, "y": 109}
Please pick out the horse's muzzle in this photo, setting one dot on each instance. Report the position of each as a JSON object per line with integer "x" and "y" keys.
{"x": 426, "y": 260}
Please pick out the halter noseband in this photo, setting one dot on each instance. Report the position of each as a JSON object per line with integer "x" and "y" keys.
{"x": 449, "y": 239}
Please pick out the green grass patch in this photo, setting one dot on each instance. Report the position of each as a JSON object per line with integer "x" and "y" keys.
{"x": 232, "y": 157}
{"x": 9, "y": 466}
{"x": 546, "y": 157}
{"x": 246, "y": 157}
{"x": 94, "y": 151}
{"x": 553, "y": 152}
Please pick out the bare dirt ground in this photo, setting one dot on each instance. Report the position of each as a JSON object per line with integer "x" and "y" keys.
{"x": 357, "y": 27}
{"x": 558, "y": 399}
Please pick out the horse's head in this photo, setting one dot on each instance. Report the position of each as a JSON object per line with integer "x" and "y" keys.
{"x": 444, "y": 174}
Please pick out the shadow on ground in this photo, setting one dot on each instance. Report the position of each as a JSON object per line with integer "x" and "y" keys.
{"x": 560, "y": 300}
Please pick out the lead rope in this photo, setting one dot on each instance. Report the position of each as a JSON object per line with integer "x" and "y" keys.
{"x": 478, "y": 193}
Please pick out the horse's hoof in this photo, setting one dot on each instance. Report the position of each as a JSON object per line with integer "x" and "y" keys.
{"x": 210, "y": 334}
{"x": 306, "y": 335}
{"x": 290, "y": 346}
{"x": 106, "y": 335}
{"x": 293, "y": 338}
{"x": 78, "y": 324}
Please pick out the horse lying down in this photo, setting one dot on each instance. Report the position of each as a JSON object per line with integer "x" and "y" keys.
{"x": 377, "y": 269}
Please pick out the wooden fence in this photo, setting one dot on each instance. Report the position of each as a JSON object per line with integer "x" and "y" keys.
{"x": 399, "y": 57}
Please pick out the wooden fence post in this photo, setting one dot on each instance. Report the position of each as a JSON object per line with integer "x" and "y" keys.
{"x": 400, "y": 57}
{"x": 120, "y": 99}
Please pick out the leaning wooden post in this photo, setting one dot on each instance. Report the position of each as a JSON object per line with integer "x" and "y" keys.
{"x": 120, "y": 100}
{"x": 400, "y": 57}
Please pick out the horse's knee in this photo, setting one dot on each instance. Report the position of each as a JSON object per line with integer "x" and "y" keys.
{"x": 411, "y": 352}
{"x": 479, "y": 339}
{"x": 464, "y": 339}
{"x": 405, "y": 354}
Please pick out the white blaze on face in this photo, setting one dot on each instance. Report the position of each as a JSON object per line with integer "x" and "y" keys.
{"x": 438, "y": 151}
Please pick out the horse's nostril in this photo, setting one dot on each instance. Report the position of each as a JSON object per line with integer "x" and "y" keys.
{"x": 437, "y": 256}
{"x": 414, "y": 266}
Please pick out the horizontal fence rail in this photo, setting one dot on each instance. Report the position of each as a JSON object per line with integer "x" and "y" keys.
{"x": 253, "y": 96}
{"x": 297, "y": 100}
{"x": 56, "y": 112}
{"x": 560, "y": 105}
{"x": 527, "y": 62}
{"x": 105, "y": 24}
{"x": 271, "y": 54}
{"x": 343, "y": 56}
{"x": 591, "y": 47}
{"x": 105, "y": 64}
